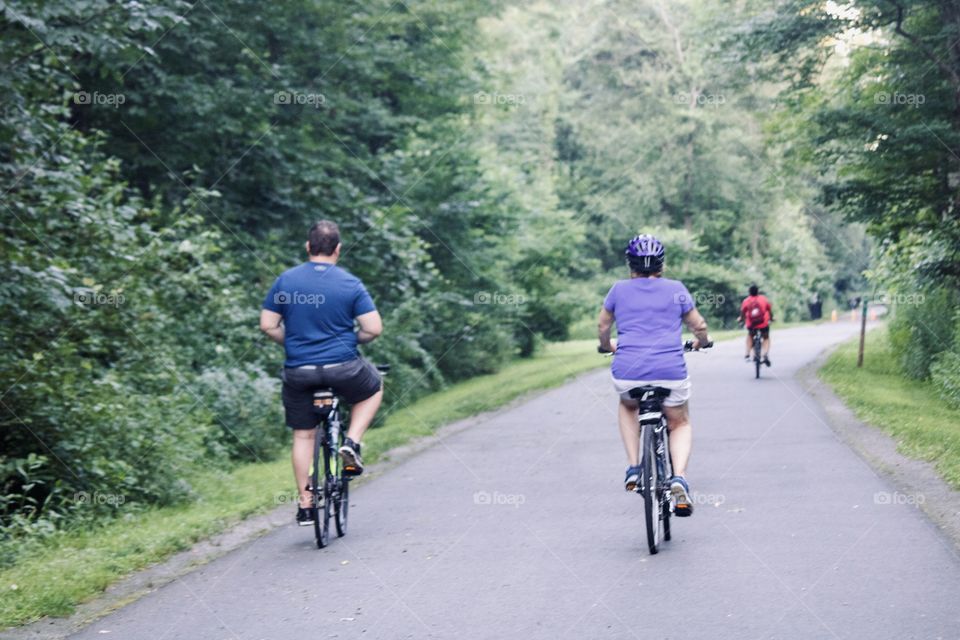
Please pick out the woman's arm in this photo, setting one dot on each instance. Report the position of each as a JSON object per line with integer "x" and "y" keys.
{"x": 604, "y": 324}
{"x": 698, "y": 326}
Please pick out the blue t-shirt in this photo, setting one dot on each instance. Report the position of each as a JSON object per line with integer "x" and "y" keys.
{"x": 649, "y": 314}
{"x": 318, "y": 302}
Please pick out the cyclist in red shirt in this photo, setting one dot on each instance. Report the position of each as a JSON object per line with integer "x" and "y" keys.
{"x": 756, "y": 313}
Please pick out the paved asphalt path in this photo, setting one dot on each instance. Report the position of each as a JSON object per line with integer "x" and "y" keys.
{"x": 518, "y": 527}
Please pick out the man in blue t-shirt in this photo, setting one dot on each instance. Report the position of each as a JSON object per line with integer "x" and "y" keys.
{"x": 311, "y": 310}
{"x": 649, "y": 311}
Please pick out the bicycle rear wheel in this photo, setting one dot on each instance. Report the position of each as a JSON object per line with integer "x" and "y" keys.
{"x": 318, "y": 484}
{"x": 650, "y": 479}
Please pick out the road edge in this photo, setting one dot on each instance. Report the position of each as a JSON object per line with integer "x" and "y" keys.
{"x": 941, "y": 504}
{"x": 145, "y": 581}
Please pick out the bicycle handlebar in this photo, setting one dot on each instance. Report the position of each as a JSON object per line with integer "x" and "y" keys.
{"x": 687, "y": 346}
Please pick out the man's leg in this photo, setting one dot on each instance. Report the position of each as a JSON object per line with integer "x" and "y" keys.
{"x": 766, "y": 345}
{"x": 630, "y": 430}
{"x": 749, "y": 345}
{"x": 362, "y": 414}
{"x": 681, "y": 437}
{"x": 302, "y": 456}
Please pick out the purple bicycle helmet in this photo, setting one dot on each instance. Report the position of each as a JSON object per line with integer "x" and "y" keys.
{"x": 645, "y": 254}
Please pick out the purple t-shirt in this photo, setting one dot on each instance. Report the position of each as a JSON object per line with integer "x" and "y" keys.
{"x": 649, "y": 313}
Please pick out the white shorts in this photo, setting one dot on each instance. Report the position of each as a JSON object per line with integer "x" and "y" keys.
{"x": 679, "y": 389}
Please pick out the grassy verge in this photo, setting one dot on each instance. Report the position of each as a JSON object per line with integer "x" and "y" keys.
{"x": 909, "y": 410}
{"x": 50, "y": 579}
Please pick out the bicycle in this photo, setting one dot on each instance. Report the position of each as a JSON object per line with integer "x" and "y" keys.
{"x": 656, "y": 467}
{"x": 330, "y": 489}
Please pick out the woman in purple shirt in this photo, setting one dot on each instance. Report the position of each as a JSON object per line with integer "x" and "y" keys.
{"x": 649, "y": 311}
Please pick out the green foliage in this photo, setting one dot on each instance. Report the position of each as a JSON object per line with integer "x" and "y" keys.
{"x": 945, "y": 374}
{"x": 160, "y": 163}
{"x": 649, "y": 128}
{"x": 922, "y": 328}
{"x": 871, "y": 114}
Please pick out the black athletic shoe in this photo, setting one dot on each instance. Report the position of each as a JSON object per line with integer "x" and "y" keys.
{"x": 766, "y": 361}
{"x": 350, "y": 456}
{"x": 747, "y": 359}
{"x": 306, "y": 516}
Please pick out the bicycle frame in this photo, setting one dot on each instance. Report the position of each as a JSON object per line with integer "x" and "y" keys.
{"x": 661, "y": 435}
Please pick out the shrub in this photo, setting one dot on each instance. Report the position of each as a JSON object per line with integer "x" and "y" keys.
{"x": 922, "y": 329}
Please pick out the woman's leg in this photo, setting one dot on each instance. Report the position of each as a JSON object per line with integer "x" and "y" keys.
{"x": 630, "y": 430}
{"x": 681, "y": 437}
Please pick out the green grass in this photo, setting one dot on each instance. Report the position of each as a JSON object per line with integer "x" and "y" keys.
{"x": 909, "y": 410}
{"x": 73, "y": 567}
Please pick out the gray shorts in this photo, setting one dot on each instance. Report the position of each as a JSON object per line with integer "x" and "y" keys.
{"x": 354, "y": 381}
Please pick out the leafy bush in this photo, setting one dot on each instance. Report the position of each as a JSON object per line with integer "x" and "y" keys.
{"x": 922, "y": 328}
{"x": 247, "y": 417}
{"x": 945, "y": 374}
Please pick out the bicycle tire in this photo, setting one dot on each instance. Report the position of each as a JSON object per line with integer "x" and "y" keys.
{"x": 341, "y": 504}
{"x": 328, "y": 500}
{"x": 318, "y": 484}
{"x": 665, "y": 495}
{"x": 652, "y": 503}
{"x": 757, "y": 360}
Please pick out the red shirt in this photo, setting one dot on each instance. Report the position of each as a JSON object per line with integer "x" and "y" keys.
{"x": 747, "y": 306}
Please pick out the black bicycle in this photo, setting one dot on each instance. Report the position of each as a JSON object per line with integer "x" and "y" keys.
{"x": 656, "y": 466}
{"x": 329, "y": 483}
{"x": 757, "y": 350}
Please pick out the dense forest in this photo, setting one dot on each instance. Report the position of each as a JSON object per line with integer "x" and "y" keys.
{"x": 487, "y": 162}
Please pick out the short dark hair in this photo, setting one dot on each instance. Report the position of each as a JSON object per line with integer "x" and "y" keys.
{"x": 754, "y": 290}
{"x": 324, "y": 237}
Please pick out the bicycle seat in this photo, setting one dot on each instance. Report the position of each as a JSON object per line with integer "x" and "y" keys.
{"x": 649, "y": 393}
{"x": 323, "y": 398}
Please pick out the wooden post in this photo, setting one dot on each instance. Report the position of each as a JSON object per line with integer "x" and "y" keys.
{"x": 863, "y": 332}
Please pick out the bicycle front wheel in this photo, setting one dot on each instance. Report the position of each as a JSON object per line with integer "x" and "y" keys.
{"x": 341, "y": 503}
{"x": 651, "y": 480}
{"x": 666, "y": 474}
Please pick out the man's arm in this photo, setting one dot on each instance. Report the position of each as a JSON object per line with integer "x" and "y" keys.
{"x": 604, "y": 324}
{"x": 371, "y": 326}
{"x": 698, "y": 326}
{"x": 271, "y": 323}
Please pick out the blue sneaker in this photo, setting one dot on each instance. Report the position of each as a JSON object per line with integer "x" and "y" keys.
{"x": 632, "y": 481}
{"x": 680, "y": 492}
